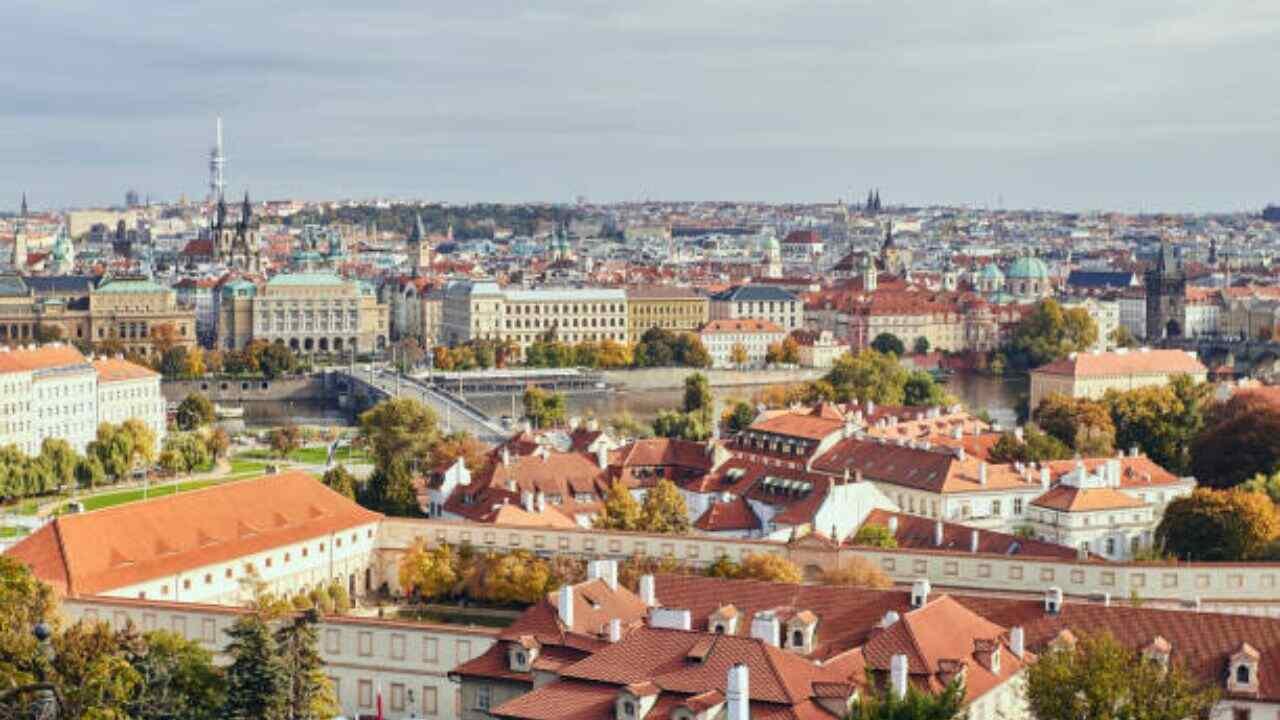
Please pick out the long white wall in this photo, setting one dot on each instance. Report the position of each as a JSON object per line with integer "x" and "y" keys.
{"x": 409, "y": 661}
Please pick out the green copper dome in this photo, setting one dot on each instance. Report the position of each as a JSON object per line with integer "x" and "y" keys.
{"x": 1028, "y": 268}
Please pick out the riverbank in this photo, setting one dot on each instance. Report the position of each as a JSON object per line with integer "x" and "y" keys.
{"x": 667, "y": 378}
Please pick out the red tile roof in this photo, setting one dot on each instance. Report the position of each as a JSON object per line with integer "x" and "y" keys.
{"x": 1133, "y": 362}
{"x": 94, "y": 552}
{"x": 39, "y": 358}
{"x": 919, "y": 533}
{"x": 1065, "y": 498}
{"x": 733, "y": 515}
{"x": 118, "y": 370}
{"x": 740, "y": 326}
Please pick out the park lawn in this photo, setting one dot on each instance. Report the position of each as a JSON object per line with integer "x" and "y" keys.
{"x": 242, "y": 466}
{"x": 319, "y": 454}
{"x": 12, "y": 532}
{"x": 97, "y": 502}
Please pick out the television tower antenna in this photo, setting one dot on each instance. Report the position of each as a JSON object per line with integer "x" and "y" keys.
{"x": 217, "y": 184}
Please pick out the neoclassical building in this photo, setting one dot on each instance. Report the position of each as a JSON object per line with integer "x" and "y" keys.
{"x": 309, "y": 312}
{"x": 130, "y": 309}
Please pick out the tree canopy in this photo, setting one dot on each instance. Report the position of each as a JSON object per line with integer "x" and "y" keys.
{"x": 1219, "y": 525}
{"x": 1049, "y": 333}
{"x": 543, "y": 408}
{"x": 1240, "y": 439}
{"x": 889, "y": 344}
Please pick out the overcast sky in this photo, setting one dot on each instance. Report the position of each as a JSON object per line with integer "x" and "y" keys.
{"x": 1124, "y": 104}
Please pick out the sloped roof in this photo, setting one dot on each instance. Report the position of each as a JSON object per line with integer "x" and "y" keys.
{"x": 920, "y": 533}
{"x": 40, "y": 358}
{"x": 118, "y": 369}
{"x": 1133, "y": 362}
{"x": 98, "y": 551}
{"x": 1066, "y": 498}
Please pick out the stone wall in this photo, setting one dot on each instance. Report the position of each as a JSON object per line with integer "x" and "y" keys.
{"x": 1250, "y": 587}
{"x": 229, "y": 391}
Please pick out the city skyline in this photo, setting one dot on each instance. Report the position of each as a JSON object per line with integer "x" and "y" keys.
{"x": 1149, "y": 107}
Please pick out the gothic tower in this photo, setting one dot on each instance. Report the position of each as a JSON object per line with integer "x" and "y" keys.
{"x": 419, "y": 248}
{"x": 19, "y": 259}
{"x": 1166, "y": 285}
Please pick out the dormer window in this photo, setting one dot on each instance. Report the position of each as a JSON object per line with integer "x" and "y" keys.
{"x": 1243, "y": 670}
{"x": 797, "y": 638}
{"x": 628, "y": 708}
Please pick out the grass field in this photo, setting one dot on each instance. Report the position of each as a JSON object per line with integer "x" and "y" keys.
{"x": 12, "y": 532}
{"x": 97, "y": 502}
{"x": 318, "y": 454}
{"x": 241, "y": 465}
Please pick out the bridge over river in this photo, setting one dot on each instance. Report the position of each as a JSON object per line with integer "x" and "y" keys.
{"x": 371, "y": 384}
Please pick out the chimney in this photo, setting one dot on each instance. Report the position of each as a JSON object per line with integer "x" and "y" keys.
{"x": 920, "y": 593}
{"x": 898, "y": 676}
{"x": 1053, "y": 600}
{"x": 737, "y": 694}
{"x": 1017, "y": 433}
{"x": 1017, "y": 641}
{"x": 648, "y": 595}
{"x": 973, "y": 541}
{"x": 593, "y": 425}
{"x": 526, "y": 501}
{"x": 602, "y": 456}
{"x": 982, "y": 473}
{"x": 937, "y": 533}
{"x": 893, "y": 524}
{"x": 615, "y": 630}
{"x": 765, "y": 626}
{"x": 566, "y": 605}
{"x": 1044, "y": 477}
{"x": 506, "y": 457}
{"x": 540, "y": 501}
{"x": 606, "y": 570}
{"x": 1133, "y": 451}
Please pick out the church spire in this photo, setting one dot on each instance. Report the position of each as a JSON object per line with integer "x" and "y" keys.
{"x": 417, "y": 234}
{"x": 24, "y": 205}
{"x": 246, "y": 211}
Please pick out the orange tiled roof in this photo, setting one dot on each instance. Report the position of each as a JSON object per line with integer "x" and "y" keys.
{"x": 1065, "y": 498}
{"x": 1139, "y": 362}
{"x": 39, "y": 358}
{"x": 740, "y": 325}
{"x": 93, "y": 552}
{"x": 118, "y": 370}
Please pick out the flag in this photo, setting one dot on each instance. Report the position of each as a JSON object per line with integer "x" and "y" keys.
{"x": 380, "y": 700}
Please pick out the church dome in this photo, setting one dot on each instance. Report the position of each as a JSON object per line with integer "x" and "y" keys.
{"x": 1028, "y": 268}
{"x": 991, "y": 272}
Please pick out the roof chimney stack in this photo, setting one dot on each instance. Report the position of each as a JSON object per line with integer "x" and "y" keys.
{"x": 898, "y": 676}
{"x": 602, "y": 456}
{"x": 982, "y": 473}
{"x": 606, "y": 570}
{"x": 1017, "y": 641}
{"x": 615, "y": 630}
{"x": 920, "y": 593}
{"x": 648, "y": 595}
{"x": 566, "y": 605}
{"x": 1053, "y": 600}
{"x": 737, "y": 693}
{"x": 937, "y": 533}
{"x": 893, "y": 524}
{"x": 973, "y": 541}
{"x": 765, "y": 626}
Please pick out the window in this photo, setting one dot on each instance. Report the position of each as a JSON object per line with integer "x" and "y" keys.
{"x": 430, "y": 704}
{"x": 366, "y": 693}
{"x": 797, "y": 638}
{"x": 1017, "y": 506}
{"x": 366, "y": 644}
{"x": 397, "y": 697}
{"x": 482, "y": 698}
{"x": 397, "y": 647}
{"x": 1242, "y": 674}
{"x": 430, "y": 650}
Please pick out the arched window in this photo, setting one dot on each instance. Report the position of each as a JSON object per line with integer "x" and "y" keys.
{"x": 1242, "y": 674}
{"x": 797, "y": 638}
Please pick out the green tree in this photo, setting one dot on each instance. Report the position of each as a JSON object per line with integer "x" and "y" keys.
{"x": 340, "y": 480}
{"x": 60, "y": 459}
{"x": 1049, "y": 333}
{"x": 429, "y": 573}
{"x": 24, "y": 602}
{"x": 879, "y": 703}
{"x": 142, "y": 442}
{"x": 869, "y": 375}
{"x": 921, "y": 389}
{"x": 889, "y": 344}
{"x": 544, "y": 409}
{"x": 1035, "y": 446}
{"x": 1218, "y": 525}
{"x": 1269, "y": 485}
{"x": 738, "y": 356}
{"x": 740, "y": 417}
{"x": 1162, "y": 421}
{"x": 672, "y": 424}
{"x": 920, "y": 346}
{"x": 620, "y": 510}
{"x": 89, "y": 472}
{"x": 92, "y": 668}
{"x": 769, "y": 568}
{"x": 664, "y": 509}
{"x": 1100, "y": 679}
{"x": 400, "y": 434}
{"x": 178, "y": 679}
{"x": 195, "y": 411}
{"x": 114, "y": 450}
{"x": 1082, "y": 424}
{"x": 518, "y": 577}
{"x": 257, "y": 680}
{"x": 697, "y": 397}
{"x": 309, "y": 694}
{"x": 875, "y": 535}
{"x": 1122, "y": 338}
{"x": 277, "y": 360}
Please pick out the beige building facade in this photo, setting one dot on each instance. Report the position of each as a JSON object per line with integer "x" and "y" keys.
{"x": 308, "y": 312}
{"x": 676, "y": 309}
{"x": 1092, "y": 374}
{"x": 473, "y": 310}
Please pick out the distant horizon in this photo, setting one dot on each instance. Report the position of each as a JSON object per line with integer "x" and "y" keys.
{"x": 1144, "y": 106}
